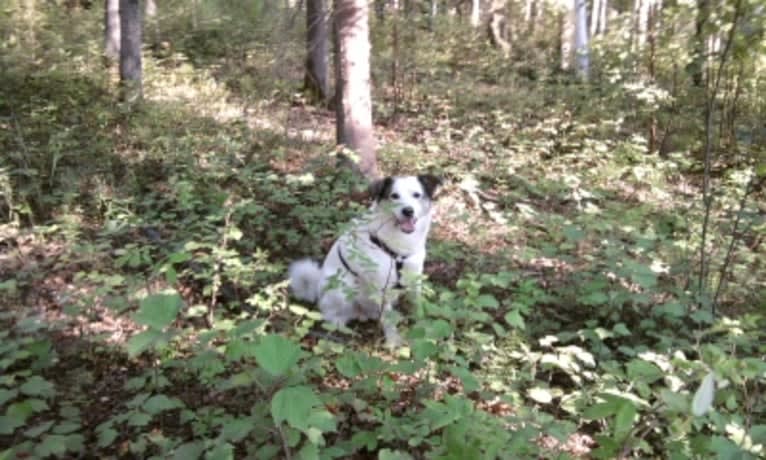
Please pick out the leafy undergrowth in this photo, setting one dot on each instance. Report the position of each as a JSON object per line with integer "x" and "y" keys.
{"x": 145, "y": 310}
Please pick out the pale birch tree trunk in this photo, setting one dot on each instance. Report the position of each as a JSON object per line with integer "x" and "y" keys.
{"x": 112, "y": 30}
{"x": 352, "y": 73}
{"x": 475, "y": 13}
{"x": 567, "y": 34}
{"x": 582, "y": 55}
{"x": 598, "y": 17}
{"x": 130, "y": 50}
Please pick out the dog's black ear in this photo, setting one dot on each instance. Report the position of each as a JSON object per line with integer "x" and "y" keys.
{"x": 430, "y": 184}
{"x": 380, "y": 189}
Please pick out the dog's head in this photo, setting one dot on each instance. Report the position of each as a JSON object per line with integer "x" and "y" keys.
{"x": 409, "y": 198}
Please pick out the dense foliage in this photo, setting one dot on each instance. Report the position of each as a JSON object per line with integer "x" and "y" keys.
{"x": 568, "y": 313}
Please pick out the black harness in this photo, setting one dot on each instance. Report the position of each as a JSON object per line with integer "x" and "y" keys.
{"x": 397, "y": 258}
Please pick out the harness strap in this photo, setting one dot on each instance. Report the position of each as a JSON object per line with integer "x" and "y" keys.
{"x": 398, "y": 258}
{"x": 345, "y": 264}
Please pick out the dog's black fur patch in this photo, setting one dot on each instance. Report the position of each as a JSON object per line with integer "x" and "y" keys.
{"x": 380, "y": 189}
{"x": 430, "y": 183}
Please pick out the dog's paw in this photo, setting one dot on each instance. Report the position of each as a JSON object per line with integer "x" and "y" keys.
{"x": 393, "y": 340}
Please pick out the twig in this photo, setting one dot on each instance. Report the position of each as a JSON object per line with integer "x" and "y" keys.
{"x": 707, "y": 199}
{"x": 749, "y": 188}
{"x": 285, "y": 446}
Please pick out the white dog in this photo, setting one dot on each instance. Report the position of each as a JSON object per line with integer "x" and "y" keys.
{"x": 379, "y": 257}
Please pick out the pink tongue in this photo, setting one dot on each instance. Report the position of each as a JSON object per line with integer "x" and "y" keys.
{"x": 408, "y": 225}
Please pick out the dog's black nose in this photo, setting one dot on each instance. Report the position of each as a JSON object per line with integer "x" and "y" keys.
{"x": 408, "y": 211}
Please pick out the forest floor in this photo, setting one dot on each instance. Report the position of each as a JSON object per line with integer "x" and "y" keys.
{"x": 561, "y": 267}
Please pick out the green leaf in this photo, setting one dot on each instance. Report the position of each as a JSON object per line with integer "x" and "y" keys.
{"x": 703, "y": 397}
{"x": 223, "y": 451}
{"x": 573, "y": 234}
{"x": 676, "y": 402}
{"x": 623, "y": 420}
{"x": 388, "y": 454}
{"x": 276, "y": 354}
{"x": 143, "y": 341}
{"x": 348, "y": 365}
{"x": 469, "y": 381}
{"x": 52, "y": 444}
{"x": 514, "y": 319}
{"x": 38, "y": 430}
{"x": 158, "y": 310}
{"x": 106, "y": 437}
{"x": 161, "y": 403}
{"x": 644, "y": 371}
{"x": 601, "y": 410}
{"x": 294, "y": 405}
{"x": 139, "y": 419}
{"x": 487, "y": 301}
{"x": 237, "y": 429}
{"x": 7, "y": 395}
{"x": 9, "y": 423}
{"x": 189, "y": 451}
{"x": 37, "y": 386}
{"x": 308, "y": 452}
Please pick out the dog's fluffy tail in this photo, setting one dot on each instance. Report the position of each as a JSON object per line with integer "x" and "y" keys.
{"x": 304, "y": 279}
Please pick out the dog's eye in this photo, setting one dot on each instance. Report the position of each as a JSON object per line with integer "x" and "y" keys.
{"x": 394, "y": 196}
{"x": 416, "y": 194}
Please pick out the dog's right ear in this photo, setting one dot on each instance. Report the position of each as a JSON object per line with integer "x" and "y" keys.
{"x": 380, "y": 189}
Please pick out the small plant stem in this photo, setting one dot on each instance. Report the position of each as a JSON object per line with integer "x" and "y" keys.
{"x": 707, "y": 198}
{"x": 285, "y": 447}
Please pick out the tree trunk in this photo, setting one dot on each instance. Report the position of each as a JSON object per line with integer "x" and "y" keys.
{"x": 130, "y": 50}
{"x": 315, "y": 81}
{"x": 498, "y": 27}
{"x": 598, "y": 18}
{"x": 567, "y": 34}
{"x": 152, "y": 23}
{"x": 475, "y": 13}
{"x": 352, "y": 74}
{"x": 581, "y": 39}
{"x": 112, "y": 30}
{"x": 696, "y": 66}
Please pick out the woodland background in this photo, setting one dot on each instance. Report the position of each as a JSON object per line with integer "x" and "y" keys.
{"x": 597, "y": 284}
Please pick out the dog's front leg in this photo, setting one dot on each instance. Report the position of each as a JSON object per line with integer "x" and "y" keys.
{"x": 388, "y": 321}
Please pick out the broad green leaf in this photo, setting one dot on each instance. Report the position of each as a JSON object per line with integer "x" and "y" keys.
{"x": 703, "y": 398}
{"x": 573, "y": 234}
{"x": 235, "y": 430}
{"x": 143, "y": 341}
{"x": 66, "y": 427}
{"x": 158, "y": 311}
{"x": 294, "y": 405}
{"x": 601, "y": 410}
{"x": 388, "y": 454}
{"x": 37, "y": 386}
{"x": 161, "y": 403}
{"x": 676, "y": 402}
{"x": 189, "y": 451}
{"x": 644, "y": 371}
{"x": 348, "y": 365}
{"x": 276, "y": 354}
{"x": 9, "y": 423}
{"x": 7, "y": 395}
{"x": 541, "y": 395}
{"x": 469, "y": 381}
{"x": 623, "y": 420}
{"x": 308, "y": 452}
{"x": 106, "y": 437}
{"x": 38, "y": 430}
{"x": 139, "y": 419}
{"x": 487, "y": 301}
{"x": 364, "y": 439}
{"x": 52, "y": 444}
{"x": 514, "y": 319}
{"x": 423, "y": 348}
{"x": 223, "y": 451}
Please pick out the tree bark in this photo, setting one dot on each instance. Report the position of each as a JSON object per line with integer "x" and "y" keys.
{"x": 316, "y": 79}
{"x": 352, "y": 74}
{"x": 567, "y": 34}
{"x": 475, "y": 13}
{"x": 498, "y": 27}
{"x": 130, "y": 50}
{"x": 582, "y": 54}
{"x": 112, "y": 30}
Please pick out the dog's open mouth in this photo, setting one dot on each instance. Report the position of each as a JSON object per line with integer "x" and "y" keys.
{"x": 407, "y": 224}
